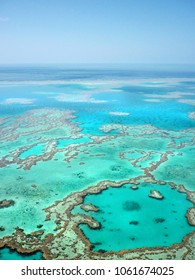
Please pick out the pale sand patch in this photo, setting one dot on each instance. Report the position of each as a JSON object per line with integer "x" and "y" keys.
{"x": 163, "y": 96}
{"x": 97, "y": 101}
{"x": 192, "y": 115}
{"x": 119, "y": 113}
{"x": 153, "y": 100}
{"x": 169, "y": 95}
{"x": 24, "y": 101}
{"x": 187, "y": 101}
{"x": 75, "y": 98}
{"x": 107, "y": 82}
{"x": 183, "y": 93}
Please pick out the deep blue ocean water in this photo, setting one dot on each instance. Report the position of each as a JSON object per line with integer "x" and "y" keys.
{"x": 90, "y": 71}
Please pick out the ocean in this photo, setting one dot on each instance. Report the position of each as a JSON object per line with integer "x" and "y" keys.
{"x": 68, "y": 131}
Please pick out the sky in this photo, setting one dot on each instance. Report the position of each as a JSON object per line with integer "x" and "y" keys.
{"x": 97, "y": 31}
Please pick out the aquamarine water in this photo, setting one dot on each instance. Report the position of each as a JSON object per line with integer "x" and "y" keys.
{"x": 169, "y": 113}
{"x": 84, "y": 153}
{"x": 36, "y": 150}
{"x": 8, "y": 254}
{"x": 65, "y": 142}
{"x": 131, "y": 219}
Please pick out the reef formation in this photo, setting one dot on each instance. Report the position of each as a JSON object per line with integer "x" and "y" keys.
{"x": 117, "y": 157}
{"x": 102, "y": 170}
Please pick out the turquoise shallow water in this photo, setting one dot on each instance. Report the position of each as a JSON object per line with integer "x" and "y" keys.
{"x": 65, "y": 142}
{"x": 168, "y": 112}
{"x": 131, "y": 219}
{"x": 36, "y": 150}
{"x": 97, "y": 98}
{"x": 8, "y": 254}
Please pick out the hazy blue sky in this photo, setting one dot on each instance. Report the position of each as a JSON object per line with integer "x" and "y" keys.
{"x": 97, "y": 31}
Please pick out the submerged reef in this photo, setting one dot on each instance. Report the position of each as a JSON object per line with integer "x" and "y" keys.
{"x": 191, "y": 216}
{"x": 155, "y": 194}
{"x": 192, "y": 115}
{"x": 44, "y": 205}
{"x": 6, "y": 203}
{"x": 70, "y": 243}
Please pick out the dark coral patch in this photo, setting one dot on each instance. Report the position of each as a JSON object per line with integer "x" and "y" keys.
{"x": 6, "y": 203}
{"x": 132, "y": 238}
{"x": 101, "y": 251}
{"x": 131, "y": 206}
{"x": 135, "y": 223}
{"x": 159, "y": 220}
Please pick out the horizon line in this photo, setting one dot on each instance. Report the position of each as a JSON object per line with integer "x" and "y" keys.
{"x": 97, "y": 64}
